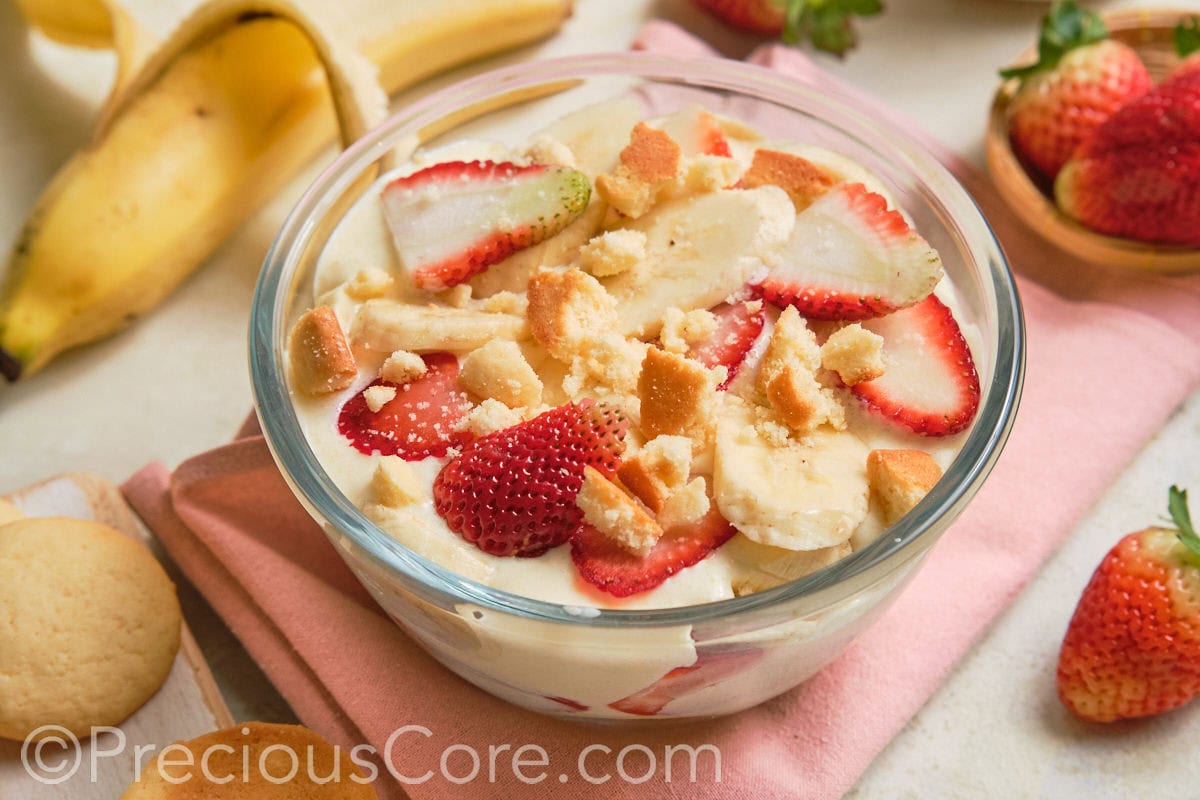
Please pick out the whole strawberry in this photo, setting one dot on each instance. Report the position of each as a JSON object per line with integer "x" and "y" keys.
{"x": 1138, "y": 176}
{"x": 1080, "y": 79}
{"x": 826, "y": 23}
{"x": 1133, "y": 646}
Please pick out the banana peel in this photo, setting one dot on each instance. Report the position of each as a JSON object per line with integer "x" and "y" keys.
{"x": 96, "y": 24}
{"x": 201, "y": 130}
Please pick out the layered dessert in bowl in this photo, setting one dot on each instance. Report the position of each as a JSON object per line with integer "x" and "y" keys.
{"x": 633, "y": 387}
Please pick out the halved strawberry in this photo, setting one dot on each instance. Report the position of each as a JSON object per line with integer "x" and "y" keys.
{"x": 609, "y": 567}
{"x": 851, "y": 257}
{"x": 454, "y": 220}
{"x": 930, "y": 385}
{"x": 711, "y": 667}
{"x": 512, "y": 492}
{"x": 697, "y": 132}
{"x": 737, "y": 329}
{"x": 419, "y": 422}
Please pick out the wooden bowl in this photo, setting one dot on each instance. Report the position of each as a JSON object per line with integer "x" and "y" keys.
{"x": 1148, "y": 32}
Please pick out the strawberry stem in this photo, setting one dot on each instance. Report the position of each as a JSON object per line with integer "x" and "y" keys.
{"x": 826, "y": 23}
{"x": 1177, "y": 504}
{"x": 1065, "y": 27}
{"x": 1187, "y": 37}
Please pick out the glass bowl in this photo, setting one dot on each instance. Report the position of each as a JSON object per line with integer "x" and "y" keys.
{"x": 693, "y": 661}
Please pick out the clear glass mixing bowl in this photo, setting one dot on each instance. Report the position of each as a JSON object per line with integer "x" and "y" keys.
{"x": 715, "y": 658}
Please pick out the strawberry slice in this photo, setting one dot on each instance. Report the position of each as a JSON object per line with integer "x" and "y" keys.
{"x": 711, "y": 667}
{"x": 930, "y": 385}
{"x": 737, "y": 329}
{"x": 512, "y": 493}
{"x": 454, "y": 220}
{"x": 851, "y": 257}
{"x": 609, "y": 567}
{"x": 419, "y": 422}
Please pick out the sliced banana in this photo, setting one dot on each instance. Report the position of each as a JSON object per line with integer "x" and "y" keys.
{"x": 760, "y": 566}
{"x": 700, "y": 250}
{"x": 595, "y": 148}
{"x": 804, "y": 495}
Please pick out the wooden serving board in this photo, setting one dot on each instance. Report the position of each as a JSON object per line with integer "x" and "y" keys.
{"x": 187, "y": 705}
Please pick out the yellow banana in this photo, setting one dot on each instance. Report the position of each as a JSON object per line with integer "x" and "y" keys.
{"x": 202, "y": 132}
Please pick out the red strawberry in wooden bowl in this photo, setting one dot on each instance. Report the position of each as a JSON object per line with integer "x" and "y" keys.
{"x": 1132, "y": 648}
{"x": 1138, "y": 175}
{"x": 1080, "y": 79}
{"x": 1130, "y": 226}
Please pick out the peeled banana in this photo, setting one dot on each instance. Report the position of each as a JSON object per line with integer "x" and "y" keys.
{"x": 201, "y": 130}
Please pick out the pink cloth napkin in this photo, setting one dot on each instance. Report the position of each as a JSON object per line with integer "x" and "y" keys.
{"x": 1109, "y": 358}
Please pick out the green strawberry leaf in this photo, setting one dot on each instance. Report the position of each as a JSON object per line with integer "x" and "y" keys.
{"x": 1065, "y": 27}
{"x": 1187, "y": 37}
{"x": 1177, "y": 504}
{"x": 826, "y": 23}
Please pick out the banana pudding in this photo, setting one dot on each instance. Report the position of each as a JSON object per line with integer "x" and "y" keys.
{"x": 635, "y": 364}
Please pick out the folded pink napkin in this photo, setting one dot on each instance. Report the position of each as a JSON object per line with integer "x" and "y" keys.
{"x": 1109, "y": 358}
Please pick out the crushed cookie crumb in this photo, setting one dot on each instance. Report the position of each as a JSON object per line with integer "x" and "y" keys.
{"x": 320, "y": 355}
{"x": 686, "y": 505}
{"x": 613, "y": 252}
{"x": 377, "y": 397}
{"x": 649, "y": 163}
{"x": 854, "y": 353}
{"x": 678, "y": 397}
{"x": 681, "y": 330}
{"x": 899, "y": 479}
{"x": 402, "y": 367}
{"x": 369, "y": 283}
{"x": 787, "y": 377}
{"x": 615, "y": 514}
{"x": 803, "y": 180}
{"x": 567, "y": 309}
{"x": 490, "y": 416}
{"x": 499, "y": 371}
{"x": 395, "y": 484}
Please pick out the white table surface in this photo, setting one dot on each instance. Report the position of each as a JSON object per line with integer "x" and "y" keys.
{"x": 176, "y": 383}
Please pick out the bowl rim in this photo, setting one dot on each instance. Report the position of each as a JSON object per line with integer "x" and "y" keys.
{"x": 304, "y": 475}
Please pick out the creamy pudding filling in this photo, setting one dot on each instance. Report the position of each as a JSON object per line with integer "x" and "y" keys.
{"x": 634, "y": 365}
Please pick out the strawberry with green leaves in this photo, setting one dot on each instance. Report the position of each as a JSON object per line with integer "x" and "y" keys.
{"x": 1132, "y": 648}
{"x": 828, "y": 24}
{"x": 1080, "y": 79}
{"x": 1138, "y": 175}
